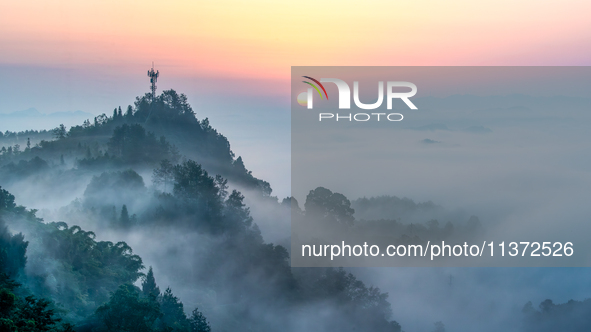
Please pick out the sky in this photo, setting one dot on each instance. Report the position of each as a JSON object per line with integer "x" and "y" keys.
{"x": 232, "y": 58}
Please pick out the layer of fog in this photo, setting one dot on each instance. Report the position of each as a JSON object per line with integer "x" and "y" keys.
{"x": 528, "y": 178}
{"x": 515, "y": 172}
{"x": 520, "y": 164}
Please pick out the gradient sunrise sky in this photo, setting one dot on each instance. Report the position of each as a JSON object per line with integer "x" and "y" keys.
{"x": 233, "y": 57}
{"x": 262, "y": 39}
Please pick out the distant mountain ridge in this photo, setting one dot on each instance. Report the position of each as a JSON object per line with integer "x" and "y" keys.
{"x": 33, "y": 112}
{"x": 33, "y": 119}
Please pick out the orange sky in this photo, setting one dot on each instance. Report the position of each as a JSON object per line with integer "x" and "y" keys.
{"x": 261, "y": 39}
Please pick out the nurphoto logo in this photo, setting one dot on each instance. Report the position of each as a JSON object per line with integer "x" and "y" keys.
{"x": 344, "y": 91}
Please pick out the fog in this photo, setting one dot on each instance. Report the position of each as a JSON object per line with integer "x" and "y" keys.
{"x": 519, "y": 162}
{"x": 529, "y": 177}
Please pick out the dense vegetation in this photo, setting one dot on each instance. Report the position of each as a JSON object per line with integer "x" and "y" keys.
{"x": 148, "y": 172}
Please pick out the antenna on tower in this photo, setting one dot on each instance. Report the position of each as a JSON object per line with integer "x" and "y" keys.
{"x": 153, "y": 75}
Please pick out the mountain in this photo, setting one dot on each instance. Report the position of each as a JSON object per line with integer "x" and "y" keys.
{"x": 32, "y": 119}
{"x": 33, "y": 112}
{"x": 153, "y": 186}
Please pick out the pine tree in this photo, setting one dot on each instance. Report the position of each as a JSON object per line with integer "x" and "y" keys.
{"x": 164, "y": 174}
{"x": 124, "y": 220}
{"x": 129, "y": 112}
{"x": 173, "y": 312}
{"x": 199, "y": 322}
{"x": 59, "y": 132}
{"x": 149, "y": 287}
{"x": 222, "y": 185}
{"x": 127, "y": 311}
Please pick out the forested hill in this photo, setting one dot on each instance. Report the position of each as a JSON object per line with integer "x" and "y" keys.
{"x": 143, "y": 228}
{"x": 143, "y": 134}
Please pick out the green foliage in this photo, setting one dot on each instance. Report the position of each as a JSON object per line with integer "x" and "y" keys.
{"x": 198, "y": 193}
{"x": 6, "y": 201}
{"x": 60, "y": 132}
{"x": 137, "y": 137}
{"x": 126, "y": 311}
{"x": 199, "y": 322}
{"x": 24, "y": 168}
{"x": 21, "y": 314}
{"x": 130, "y": 309}
{"x": 87, "y": 270}
{"x": 28, "y": 314}
{"x": 364, "y": 308}
{"x": 163, "y": 176}
{"x": 149, "y": 287}
{"x": 13, "y": 249}
{"x": 132, "y": 144}
{"x": 572, "y": 316}
{"x": 236, "y": 212}
{"x": 173, "y": 314}
{"x": 193, "y": 182}
{"x": 333, "y": 207}
{"x": 113, "y": 188}
{"x": 124, "y": 220}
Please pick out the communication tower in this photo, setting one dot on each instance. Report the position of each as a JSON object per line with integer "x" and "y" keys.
{"x": 153, "y": 75}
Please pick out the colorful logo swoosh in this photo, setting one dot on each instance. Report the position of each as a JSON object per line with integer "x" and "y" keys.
{"x": 315, "y": 87}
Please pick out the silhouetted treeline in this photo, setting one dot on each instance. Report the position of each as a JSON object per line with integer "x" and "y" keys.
{"x": 24, "y": 139}
{"x": 136, "y": 135}
{"x": 327, "y": 213}
{"x": 572, "y": 316}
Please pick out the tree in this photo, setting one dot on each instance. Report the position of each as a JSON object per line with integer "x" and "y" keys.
{"x": 173, "y": 314}
{"x": 18, "y": 314}
{"x": 28, "y": 315}
{"x": 222, "y": 185}
{"x": 164, "y": 175}
{"x": 324, "y": 204}
{"x": 129, "y": 112}
{"x": 124, "y": 220}
{"x": 177, "y": 102}
{"x": 239, "y": 167}
{"x": 101, "y": 120}
{"x": 13, "y": 250}
{"x": 60, "y": 132}
{"x": 6, "y": 200}
{"x": 133, "y": 144}
{"x": 149, "y": 287}
{"x": 198, "y": 322}
{"x": 292, "y": 203}
{"x": 127, "y": 312}
{"x": 93, "y": 269}
{"x": 237, "y": 210}
{"x": 191, "y": 180}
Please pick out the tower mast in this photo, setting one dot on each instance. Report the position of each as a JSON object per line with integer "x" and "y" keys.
{"x": 153, "y": 75}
